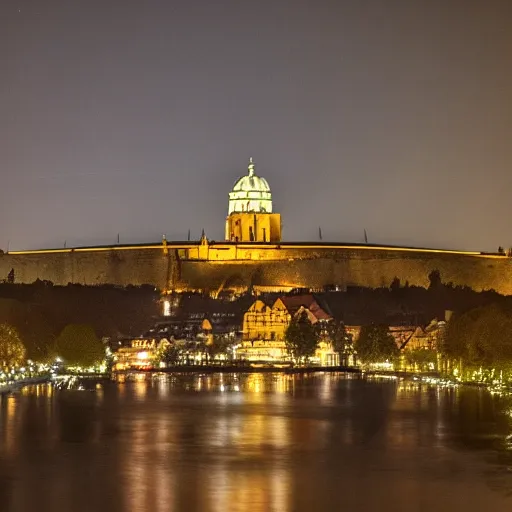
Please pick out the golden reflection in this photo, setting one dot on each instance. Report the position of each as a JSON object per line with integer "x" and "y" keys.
{"x": 279, "y": 434}
{"x": 254, "y": 446}
{"x": 268, "y": 383}
{"x": 257, "y": 436}
{"x": 280, "y": 489}
{"x": 224, "y": 432}
{"x": 136, "y": 471}
{"x": 9, "y": 408}
{"x": 414, "y": 402}
{"x": 326, "y": 388}
{"x": 30, "y": 390}
{"x": 164, "y": 482}
{"x": 38, "y": 390}
{"x": 99, "y": 393}
{"x": 261, "y": 433}
{"x": 255, "y": 383}
{"x": 162, "y": 385}
{"x": 257, "y": 491}
{"x": 141, "y": 389}
{"x": 282, "y": 383}
{"x": 147, "y": 472}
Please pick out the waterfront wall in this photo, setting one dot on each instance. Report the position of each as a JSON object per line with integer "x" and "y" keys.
{"x": 229, "y": 266}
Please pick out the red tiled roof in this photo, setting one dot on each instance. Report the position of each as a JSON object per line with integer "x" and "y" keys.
{"x": 319, "y": 313}
{"x": 294, "y": 302}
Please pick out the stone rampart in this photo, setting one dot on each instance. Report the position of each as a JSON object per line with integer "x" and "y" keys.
{"x": 355, "y": 270}
{"x": 218, "y": 266}
{"x": 95, "y": 267}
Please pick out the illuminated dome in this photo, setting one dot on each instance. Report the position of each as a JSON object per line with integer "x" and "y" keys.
{"x": 250, "y": 193}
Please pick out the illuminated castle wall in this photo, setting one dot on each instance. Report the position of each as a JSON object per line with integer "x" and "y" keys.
{"x": 192, "y": 266}
{"x": 264, "y": 263}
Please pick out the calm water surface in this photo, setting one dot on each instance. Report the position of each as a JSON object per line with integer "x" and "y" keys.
{"x": 254, "y": 442}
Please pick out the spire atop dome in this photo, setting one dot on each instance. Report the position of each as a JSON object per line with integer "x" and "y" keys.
{"x": 250, "y": 193}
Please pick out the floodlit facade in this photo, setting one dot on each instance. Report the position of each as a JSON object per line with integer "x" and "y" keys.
{"x": 264, "y": 327}
{"x": 263, "y": 332}
{"x": 250, "y": 217}
{"x": 430, "y": 337}
{"x": 138, "y": 353}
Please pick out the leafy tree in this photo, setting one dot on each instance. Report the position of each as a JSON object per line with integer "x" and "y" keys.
{"x": 221, "y": 345}
{"x": 376, "y": 344}
{"x": 423, "y": 358}
{"x": 12, "y": 350}
{"x": 78, "y": 345}
{"x": 457, "y": 335}
{"x": 490, "y": 342}
{"x": 37, "y": 334}
{"x": 341, "y": 340}
{"x": 395, "y": 284}
{"x": 302, "y": 337}
{"x": 435, "y": 281}
{"x": 171, "y": 355}
{"x": 481, "y": 337}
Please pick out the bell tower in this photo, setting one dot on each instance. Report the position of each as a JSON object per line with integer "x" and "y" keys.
{"x": 250, "y": 217}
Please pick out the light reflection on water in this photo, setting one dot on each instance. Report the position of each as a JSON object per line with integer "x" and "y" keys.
{"x": 254, "y": 442}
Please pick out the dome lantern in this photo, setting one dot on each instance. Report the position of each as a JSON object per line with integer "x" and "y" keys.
{"x": 250, "y": 193}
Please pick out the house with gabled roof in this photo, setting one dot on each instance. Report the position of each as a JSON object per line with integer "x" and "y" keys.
{"x": 264, "y": 327}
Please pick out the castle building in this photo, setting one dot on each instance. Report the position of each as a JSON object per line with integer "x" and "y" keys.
{"x": 250, "y": 217}
{"x": 254, "y": 257}
{"x": 264, "y": 328}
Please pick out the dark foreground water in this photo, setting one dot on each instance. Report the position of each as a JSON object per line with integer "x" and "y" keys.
{"x": 254, "y": 442}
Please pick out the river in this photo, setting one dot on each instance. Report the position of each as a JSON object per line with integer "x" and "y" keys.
{"x": 255, "y": 442}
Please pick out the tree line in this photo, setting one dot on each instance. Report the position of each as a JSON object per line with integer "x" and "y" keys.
{"x": 40, "y": 311}
{"x": 375, "y": 342}
{"x": 478, "y": 343}
{"x": 76, "y": 345}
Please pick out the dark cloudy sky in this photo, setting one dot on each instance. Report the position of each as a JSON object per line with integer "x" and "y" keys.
{"x": 136, "y": 116}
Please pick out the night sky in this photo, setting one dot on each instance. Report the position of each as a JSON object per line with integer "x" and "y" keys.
{"x": 136, "y": 117}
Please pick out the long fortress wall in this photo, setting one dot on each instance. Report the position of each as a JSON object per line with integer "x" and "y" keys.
{"x": 196, "y": 266}
{"x": 120, "y": 266}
